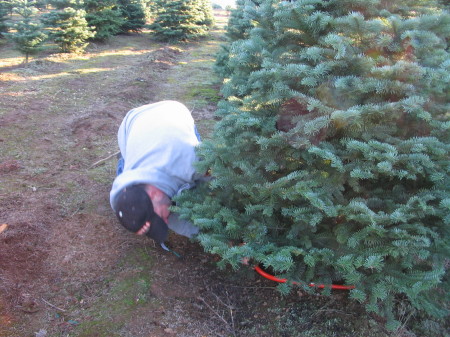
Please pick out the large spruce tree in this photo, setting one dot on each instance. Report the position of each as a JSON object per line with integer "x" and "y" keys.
{"x": 331, "y": 158}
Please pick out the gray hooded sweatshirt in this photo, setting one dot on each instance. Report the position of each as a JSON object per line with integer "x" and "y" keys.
{"x": 157, "y": 142}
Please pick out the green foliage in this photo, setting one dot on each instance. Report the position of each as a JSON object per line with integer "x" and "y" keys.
{"x": 241, "y": 21}
{"x": 150, "y": 8}
{"x": 61, "y": 4}
{"x": 178, "y": 20}
{"x": 27, "y": 34}
{"x": 4, "y": 10}
{"x": 105, "y": 16}
{"x": 331, "y": 158}
{"x": 133, "y": 13}
{"x": 207, "y": 16}
{"x": 70, "y": 28}
{"x": 41, "y": 4}
{"x": 10, "y": 5}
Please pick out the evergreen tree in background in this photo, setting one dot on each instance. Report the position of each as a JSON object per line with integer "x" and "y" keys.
{"x": 28, "y": 34}
{"x": 150, "y": 8}
{"x": 331, "y": 159}
{"x": 241, "y": 17}
{"x": 70, "y": 28}
{"x": 445, "y": 4}
{"x": 179, "y": 20}
{"x": 105, "y": 16}
{"x": 3, "y": 18}
{"x": 240, "y": 23}
{"x": 41, "y": 4}
{"x": 133, "y": 13}
{"x": 61, "y": 4}
{"x": 207, "y": 16}
{"x": 9, "y": 5}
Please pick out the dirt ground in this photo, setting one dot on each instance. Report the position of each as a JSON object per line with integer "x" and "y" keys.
{"x": 67, "y": 268}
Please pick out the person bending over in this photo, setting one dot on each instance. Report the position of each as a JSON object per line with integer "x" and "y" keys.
{"x": 157, "y": 151}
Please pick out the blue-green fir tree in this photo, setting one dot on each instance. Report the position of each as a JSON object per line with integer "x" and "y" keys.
{"x": 42, "y": 4}
{"x": 105, "y": 16}
{"x": 69, "y": 28}
{"x": 150, "y": 8}
{"x": 206, "y": 17}
{"x": 178, "y": 20}
{"x": 239, "y": 25}
{"x": 27, "y": 33}
{"x": 3, "y": 18}
{"x": 133, "y": 13}
{"x": 331, "y": 158}
{"x": 9, "y": 5}
{"x": 61, "y": 4}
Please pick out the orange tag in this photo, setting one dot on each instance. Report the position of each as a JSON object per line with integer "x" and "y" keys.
{"x": 3, "y": 227}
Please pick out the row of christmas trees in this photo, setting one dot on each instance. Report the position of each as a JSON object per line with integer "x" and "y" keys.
{"x": 71, "y": 24}
{"x": 331, "y": 156}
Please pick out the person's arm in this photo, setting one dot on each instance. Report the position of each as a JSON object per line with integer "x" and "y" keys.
{"x": 182, "y": 226}
{"x": 161, "y": 202}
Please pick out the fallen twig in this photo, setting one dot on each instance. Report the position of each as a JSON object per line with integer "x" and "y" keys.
{"x": 53, "y": 306}
{"x": 230, "y": 307}
{"x": 220, "y": 300}
{"x": 219, "y": 316}
{"x": 214, "y": 311}
{"x": 104, "y": 159}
